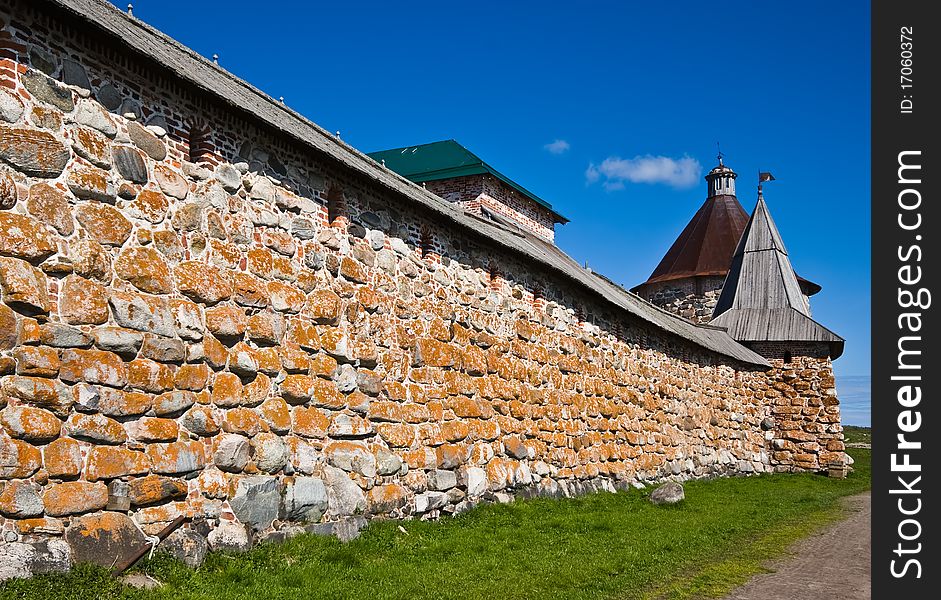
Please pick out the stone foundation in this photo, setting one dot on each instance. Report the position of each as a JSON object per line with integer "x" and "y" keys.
{"x": 195, "y": 338}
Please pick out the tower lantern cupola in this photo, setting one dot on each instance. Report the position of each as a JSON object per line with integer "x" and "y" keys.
{"x": 721, "y": 180}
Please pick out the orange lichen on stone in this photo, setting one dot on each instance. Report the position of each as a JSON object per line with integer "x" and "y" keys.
{"x": 202, "y": 283}
{"x": 62, "y": 458}
{"x": 309, "y": 422}
{"x": 74, "y": 497}
{"x": 110, "y": 462}
{"x": 153, "y": 429}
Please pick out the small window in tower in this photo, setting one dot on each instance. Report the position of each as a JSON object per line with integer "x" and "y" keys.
{"x": 787, "y": 356}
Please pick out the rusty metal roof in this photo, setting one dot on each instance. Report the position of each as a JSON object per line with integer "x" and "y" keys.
{"x": 706, "y": 245}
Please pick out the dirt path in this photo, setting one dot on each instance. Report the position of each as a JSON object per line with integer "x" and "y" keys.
{"x": 833, "y": 564}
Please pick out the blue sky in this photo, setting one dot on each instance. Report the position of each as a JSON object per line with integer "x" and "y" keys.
{"x": 783, "y": 87}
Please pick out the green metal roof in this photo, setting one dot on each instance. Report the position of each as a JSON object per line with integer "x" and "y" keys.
{"x": 444, "y": 160}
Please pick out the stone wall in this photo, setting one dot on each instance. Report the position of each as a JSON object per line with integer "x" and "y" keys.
{"x": 804, "y": 407}
{"x": 181, "y": 338}
{"x": 693, "y": 298}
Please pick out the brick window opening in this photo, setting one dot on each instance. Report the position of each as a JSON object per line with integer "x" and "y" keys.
{"x": 494, "y": 273}
{"x": 336, "y": 207}
{"x": 787, "y": 356}
{"x": 199, "y": 141}
{"x": 426, "y": 243}
{"x": 539, "y": 298}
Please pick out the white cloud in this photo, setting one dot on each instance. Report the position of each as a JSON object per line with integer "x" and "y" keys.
{"x": 558, "y": 147}
{"x": 680, "y": 173}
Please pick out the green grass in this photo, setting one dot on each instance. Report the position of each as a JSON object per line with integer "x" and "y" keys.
{"x": 853, "y": 434}
{"x": 597, "y": 546}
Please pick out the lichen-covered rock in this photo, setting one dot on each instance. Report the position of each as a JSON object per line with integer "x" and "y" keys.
{"x": 202, "y": 283}
{"x": 243, "y": 421}
{"x": 83, "y": 301}
{"x": 33, "y": 425}
{"x": 162, "y": 349}
{"x": 23, "y": 286}
{"x": 111, "y": 462}
{"x": 142, "y": 313}
{"x": 24, "y": 237}
{"x": 93, "y": 184}
{"x": 226, "y": 321}
{"x": 98, "y": 429}
{"x": 63, "y": 458}
{"x": 154, "y": 429}
{"x": 38, "y": 391}
{"x": 38, "y": 361}
{"x": 92, "y": 146}
{"x": 104, "y": 538}
{"x": 90, "y": 259}
{"x": 323, "y": 307}
{"x": 145, "y": 269}
{"x": 93, "y": 366}
{"x": 351, "y": 456}
{"x": 35, "y": 153}
{"x": 103, "y": 223}
{"x": 200, "y": 421}
{"x": 74, "y": 497}
{"x": 19, "y": 500}
{"x": 154, "y": 489}
{"x": 18, "y": 459}
{"x": 49, "y": 205}
{"x": 177, "y": 458}
{"x": 386, "y": 498}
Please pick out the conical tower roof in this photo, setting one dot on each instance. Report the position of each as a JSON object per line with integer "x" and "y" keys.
{"x": 706, "y": 245}
{"x": 761, "y": 299}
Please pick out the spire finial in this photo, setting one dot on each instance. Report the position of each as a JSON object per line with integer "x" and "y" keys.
{"x": 719, "y": 156}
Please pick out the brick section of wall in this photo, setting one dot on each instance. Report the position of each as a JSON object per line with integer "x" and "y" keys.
{"x": 693, "y": 298}
{"x": 183, "y": 340}
{"x": 476, "y": 191}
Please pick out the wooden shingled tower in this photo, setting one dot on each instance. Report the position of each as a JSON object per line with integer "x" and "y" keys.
{"x": 762, "y": 304}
